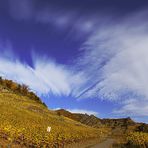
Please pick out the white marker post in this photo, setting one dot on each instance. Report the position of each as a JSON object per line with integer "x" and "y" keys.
{"x": 48, "y": 129}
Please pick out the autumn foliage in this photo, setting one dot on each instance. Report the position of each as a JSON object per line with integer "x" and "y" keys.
{"x": 20, "y": 89}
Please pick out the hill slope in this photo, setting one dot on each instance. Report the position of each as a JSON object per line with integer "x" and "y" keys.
{"x": 124, "y": 124}
{"x": 24, "y": 122}
{"x": 89, "y": 120}
{"x": 124, "y": 131}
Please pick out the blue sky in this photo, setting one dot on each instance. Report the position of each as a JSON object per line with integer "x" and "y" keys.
{"x": 86, "y": 56}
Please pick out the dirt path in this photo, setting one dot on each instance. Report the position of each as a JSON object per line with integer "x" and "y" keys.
{"x": 105, "y": 144}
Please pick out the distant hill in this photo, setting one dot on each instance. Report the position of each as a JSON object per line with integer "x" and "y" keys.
{"x": 125, "y": 124}
{"x": 89, "y": 120}
{"x": 121, "y": 122}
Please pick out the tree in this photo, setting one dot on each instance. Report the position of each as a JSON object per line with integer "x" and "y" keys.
{"x": 8, "y": 83}
{"x": 24, "y": 89}
{"x": 1, "y": 80}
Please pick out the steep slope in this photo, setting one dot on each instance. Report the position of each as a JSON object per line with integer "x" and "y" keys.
{"x": 24, "y": 121}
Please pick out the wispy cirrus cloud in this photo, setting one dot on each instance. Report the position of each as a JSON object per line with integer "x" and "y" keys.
{"x": 134, "y": 108}
{"x": 115, "y": 64}
{"x": 83, "y": 111}
{"x": 29, "y": 10}
{"x": 45, "y": 77}
{"x": 74, "y": 19}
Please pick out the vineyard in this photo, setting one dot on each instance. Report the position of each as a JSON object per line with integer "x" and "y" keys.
{"x": 137, "y": 139}
{"x": 24, "y": 121}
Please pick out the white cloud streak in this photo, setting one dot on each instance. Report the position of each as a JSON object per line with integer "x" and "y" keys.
{"x": 82, "y": 111}
{"x": 115, "y": 63}
{"x": 133, "y": 107}
{"x": 27, "y": 10}
{"x": 113, "y": 66}
{"x": 46, "y": 77}
{"x": 56, "y": 16}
